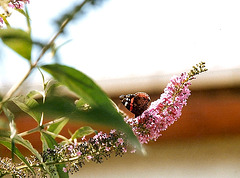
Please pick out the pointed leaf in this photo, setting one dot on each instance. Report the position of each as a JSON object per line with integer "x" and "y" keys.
{"x": 83, "y": 131}
{"x": 12, "y": 126}
{"x": 25, "y": 103}
{"x": 5, "y": 135}
{"x": 17, "y": 153}
{"x": 79, "y": 83}
{"x": 18, "y": 40}
{"x": 28, "y": 145}
{"x": 102, "y": 110}
{"x": 57, "y": 127}
{"x": 33, "y": 94}
{"x": 21, "y": 11}
{"x": 6, "y": 141}
{"x": 49, "y": 141}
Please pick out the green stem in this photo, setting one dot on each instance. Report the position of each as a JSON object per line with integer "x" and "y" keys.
{"x": 15, "y": 87}
{"x": 40, "y": 165}
{"x": 50, "y": 163}
{"x": 43, "y": 51}
{"x": 55, "y": 135}
{"x": 41, "y": 127}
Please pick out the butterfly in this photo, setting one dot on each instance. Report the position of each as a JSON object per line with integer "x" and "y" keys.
{"x": 136, "y": 103}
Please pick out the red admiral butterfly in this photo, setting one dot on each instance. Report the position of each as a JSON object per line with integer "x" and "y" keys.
{"x": 136, "y": 103}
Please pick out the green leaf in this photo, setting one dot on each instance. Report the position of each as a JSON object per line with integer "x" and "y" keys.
{"x": 25, "y": 103}
{"x": 55, "y": 49}
{"x": 6, "y": 141}
{"x": 57, "y": 127}
{"x": 28, "y": 145}
{"x": 49, "y": 142}
{"x": 12, "y": 126}
{"x": 5, "y": 134}
{"x": 5, "y": 138}
{"x": 52, "y": 88}
{"x": 33, "y": 94}
{"x": 21, "y": 11}
{"x": 79, "y": 83}
{"x": 83, "y": 131}
{"x": 60, "y": 171}
{"x": 18, "y": 40}
{"x": 82, "y": 105}
{"x": 76, "y": 10}
{"x": 17, "y": 153}
{"x": 102, "y": 110}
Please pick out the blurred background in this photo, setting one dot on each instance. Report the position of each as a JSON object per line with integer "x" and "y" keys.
{"x": 137, "y": 45}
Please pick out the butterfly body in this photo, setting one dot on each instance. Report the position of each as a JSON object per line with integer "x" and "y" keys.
{"x": 136, "y": 103}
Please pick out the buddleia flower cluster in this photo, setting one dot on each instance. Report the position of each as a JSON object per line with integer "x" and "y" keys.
{"x": 73, "y": 155}
{"x": 147, "y": 127}
{"x": 14, "y": 4}
{"x": 167, "y": 109}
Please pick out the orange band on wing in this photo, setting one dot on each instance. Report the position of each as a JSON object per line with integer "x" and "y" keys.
{"x": 131, "y": 104}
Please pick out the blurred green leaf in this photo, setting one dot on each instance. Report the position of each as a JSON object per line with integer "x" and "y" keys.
{"x": 6, "y": 141}
{"x": 17, "y": 153}
{"x": 8, "y": 114}
{"x": 71, "y": 13}
{"x": 55, "y": 50}
{"x": 77, "y": 10}
{"x": 28, "y": 145}
{"x": 25, "y": 103}
{"x": 49, "y": 142}
{"x": 57, "y": 127}
{"x": 102, "y": 109}
{"x": 33, "y": 94}
{"x": 82, "y": 105}
{"x": 5, "y": 135}
{"x": 21, "y": 11}
{"x": 12, "y": 126}
{"x": 83, "y": 131}
{"x": 52, "y": 88}
{"x": 5, "y": 138}
{"x": 18, "y": 40}
{"x": 79, "y": 83}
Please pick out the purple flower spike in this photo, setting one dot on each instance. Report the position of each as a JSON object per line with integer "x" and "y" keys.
{"x": 163, "y": 112}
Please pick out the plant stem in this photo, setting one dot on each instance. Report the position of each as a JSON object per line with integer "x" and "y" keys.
{"x": 32, "y": 66}
{"x": 55, "y": 135}
{"x": 50, "y": 163}
{"x": 16, "y": 86}
{"x": 40, "y": 127}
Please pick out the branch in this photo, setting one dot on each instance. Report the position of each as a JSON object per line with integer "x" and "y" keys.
{"x": 41, "y": 127}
